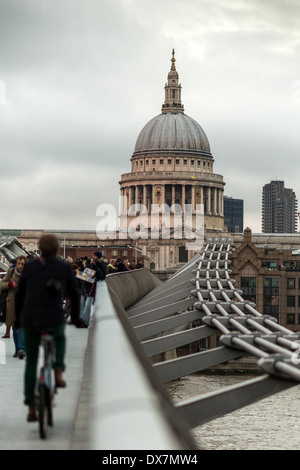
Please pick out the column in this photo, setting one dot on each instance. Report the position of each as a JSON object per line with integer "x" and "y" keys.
{"x": 131, "y": 188}
{"x": 183, "y": 197}
{"x": 208, "y": 201}
{"x": 151, "y": 196}
{"x": 144, "y": 201}
{"x": 215, "y": 201}
{"x": 201, "y": 195}
{"x": 122, "y": 205}
{"x": 173, "y": 194}
{"x": 137, "y": 196}
{"x": 222, "y": 202}
{"x": 163, "y": 194}
{"x": 193, "y": 197}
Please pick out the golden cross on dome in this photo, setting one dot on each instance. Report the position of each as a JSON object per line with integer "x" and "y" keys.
{"x": 173, "y": 60}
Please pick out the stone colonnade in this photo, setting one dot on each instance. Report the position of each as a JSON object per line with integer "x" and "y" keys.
{"x": 170, "y": 194}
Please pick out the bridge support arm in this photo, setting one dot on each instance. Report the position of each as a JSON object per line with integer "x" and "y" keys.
{"x": 176, "y": 368}
{"x": 200, "y": 410}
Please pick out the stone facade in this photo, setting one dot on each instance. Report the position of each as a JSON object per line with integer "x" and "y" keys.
{"x": 172, "y": 166}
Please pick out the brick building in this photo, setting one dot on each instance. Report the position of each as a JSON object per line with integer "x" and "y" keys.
{"x": 270, "y": 277}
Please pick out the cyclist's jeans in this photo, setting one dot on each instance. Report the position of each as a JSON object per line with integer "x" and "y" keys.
{"x": 18, "y": 339}
{"x": 32, "y": 341}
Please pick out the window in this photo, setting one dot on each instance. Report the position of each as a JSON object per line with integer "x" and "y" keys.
{"x": 199, "y": 162}
{"x": 271, "y": 282}
{"x": 271, "y": 296}
{"x": 269, "y": 265}
{"x": 291, "y": 265}
{"x": 185, "y": 162}
{"x": 291, "y": 283}
{"x": 290, "y": 319}
{"x": 248, "y": 286}
{"x": 183, "y": 254}
{"x": 147, "y": 162}
{"x": 177, "y": 162}
{"x": 290, "y": 301}
{"x": 192, "y": 162}
{"x": 169, "y": 161}
{"x": 153, "y": 162}
{"x": 161, "y": 161}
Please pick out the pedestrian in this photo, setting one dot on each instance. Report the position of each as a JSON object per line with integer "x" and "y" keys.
{"x": 89, "y": 288}
{"x": 111, "y": 267}
{"x": 120, "y": 265}
{"x": 12, "y": 263}
{"x": 39, "y": 307}
{"x": 10, "y": 283}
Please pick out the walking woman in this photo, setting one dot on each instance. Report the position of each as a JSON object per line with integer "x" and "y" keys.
{"x": 10, "y": 283}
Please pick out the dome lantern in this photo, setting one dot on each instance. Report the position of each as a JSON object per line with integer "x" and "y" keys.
{"x": 172, "y": 91}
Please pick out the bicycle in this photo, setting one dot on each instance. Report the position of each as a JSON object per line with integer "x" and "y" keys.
{"x": 45, "y": 388}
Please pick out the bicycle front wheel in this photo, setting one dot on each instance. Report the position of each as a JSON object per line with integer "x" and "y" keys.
{"x": 45, "y": 411}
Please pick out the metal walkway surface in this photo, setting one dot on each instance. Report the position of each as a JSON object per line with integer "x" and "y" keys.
{"x": 15, "y": 432}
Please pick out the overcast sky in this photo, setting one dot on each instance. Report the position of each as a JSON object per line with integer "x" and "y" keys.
{"x": 83, "y": 77}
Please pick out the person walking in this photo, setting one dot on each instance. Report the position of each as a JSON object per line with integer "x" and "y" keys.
{"x": 111, "y": 267}
{"x": 39, "y": 307}
{"x": 89, "y": 289}
{"x": 10, "y": 283}
{"x": 120, "y": 266}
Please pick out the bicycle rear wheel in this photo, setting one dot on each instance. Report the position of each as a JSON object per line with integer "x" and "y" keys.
{"x": 45, "y": 411}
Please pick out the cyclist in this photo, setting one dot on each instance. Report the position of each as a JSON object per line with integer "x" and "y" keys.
{"x": 39, "y": 307}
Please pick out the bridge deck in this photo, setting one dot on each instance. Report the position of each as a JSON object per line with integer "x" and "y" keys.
{"x": 15, "y": 432}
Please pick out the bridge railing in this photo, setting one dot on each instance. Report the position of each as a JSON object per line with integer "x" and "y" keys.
{"x": 130, "y": 407}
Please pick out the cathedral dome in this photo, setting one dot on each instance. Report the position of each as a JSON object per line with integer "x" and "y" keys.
{"x": 172, "y": 131}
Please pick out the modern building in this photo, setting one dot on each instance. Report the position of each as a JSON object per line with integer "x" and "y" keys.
{"x": 279, "y": 208}
{"x": 172, "y": 165}
{"x": 234, "y": 214}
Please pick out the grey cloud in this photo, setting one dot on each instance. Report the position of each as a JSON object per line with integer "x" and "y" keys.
{"x": 84, "y": 77}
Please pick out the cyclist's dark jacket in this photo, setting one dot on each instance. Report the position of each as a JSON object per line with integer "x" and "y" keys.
{"x": 43, "y": 284}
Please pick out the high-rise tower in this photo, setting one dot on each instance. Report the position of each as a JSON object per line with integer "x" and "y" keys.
{"x": 279, "y": 208}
